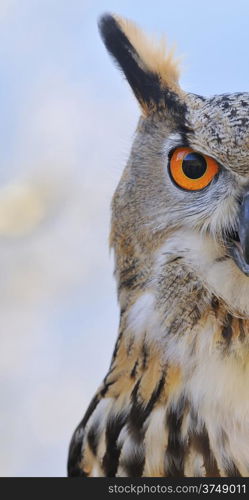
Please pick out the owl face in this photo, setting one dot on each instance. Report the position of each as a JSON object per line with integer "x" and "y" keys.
{"x": 188, "y": 172}
{"x": 211, "y": 180}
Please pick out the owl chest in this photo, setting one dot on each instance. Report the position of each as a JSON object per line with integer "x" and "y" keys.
{"x": 182, "y": 410}
{"x": 173, "y": 441}
{"x": 202, "y": 432}
{"x": 198, "y": 423}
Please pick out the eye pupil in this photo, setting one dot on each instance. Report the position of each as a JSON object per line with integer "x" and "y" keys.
{"x": 194, "y": 165}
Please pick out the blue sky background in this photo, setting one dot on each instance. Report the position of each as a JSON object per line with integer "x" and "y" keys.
{"x": 67, "y": 119}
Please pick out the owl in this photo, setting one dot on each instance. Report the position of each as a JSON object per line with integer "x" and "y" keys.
{"x": 175, "y": 401}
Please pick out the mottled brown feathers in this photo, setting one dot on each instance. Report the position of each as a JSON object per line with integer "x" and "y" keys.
{"x": 175, "y": 399}
{"x": 142, "y": 394}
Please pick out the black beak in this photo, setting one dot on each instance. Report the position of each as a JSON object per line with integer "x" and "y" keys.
{"x": 244, "y": 227}
{"x": 239, "y": 247}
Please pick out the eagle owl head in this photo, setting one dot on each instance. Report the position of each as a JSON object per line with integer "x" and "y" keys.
{"x": 187, "y": 179}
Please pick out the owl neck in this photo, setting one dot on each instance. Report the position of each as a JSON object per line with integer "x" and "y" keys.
{"x": 167, "y": 303}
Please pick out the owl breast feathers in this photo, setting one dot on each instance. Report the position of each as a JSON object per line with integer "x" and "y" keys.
{"x": 175, "y": 400}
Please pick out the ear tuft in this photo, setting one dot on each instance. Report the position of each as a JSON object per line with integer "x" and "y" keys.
{"x": 153, "y": 53}
{"x": 150, "y": 69}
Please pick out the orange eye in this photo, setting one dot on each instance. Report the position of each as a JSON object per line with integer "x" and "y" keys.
{"x": 191, "y": 170}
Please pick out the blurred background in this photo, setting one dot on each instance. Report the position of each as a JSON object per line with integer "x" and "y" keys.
{"x": 67, "y": 119}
